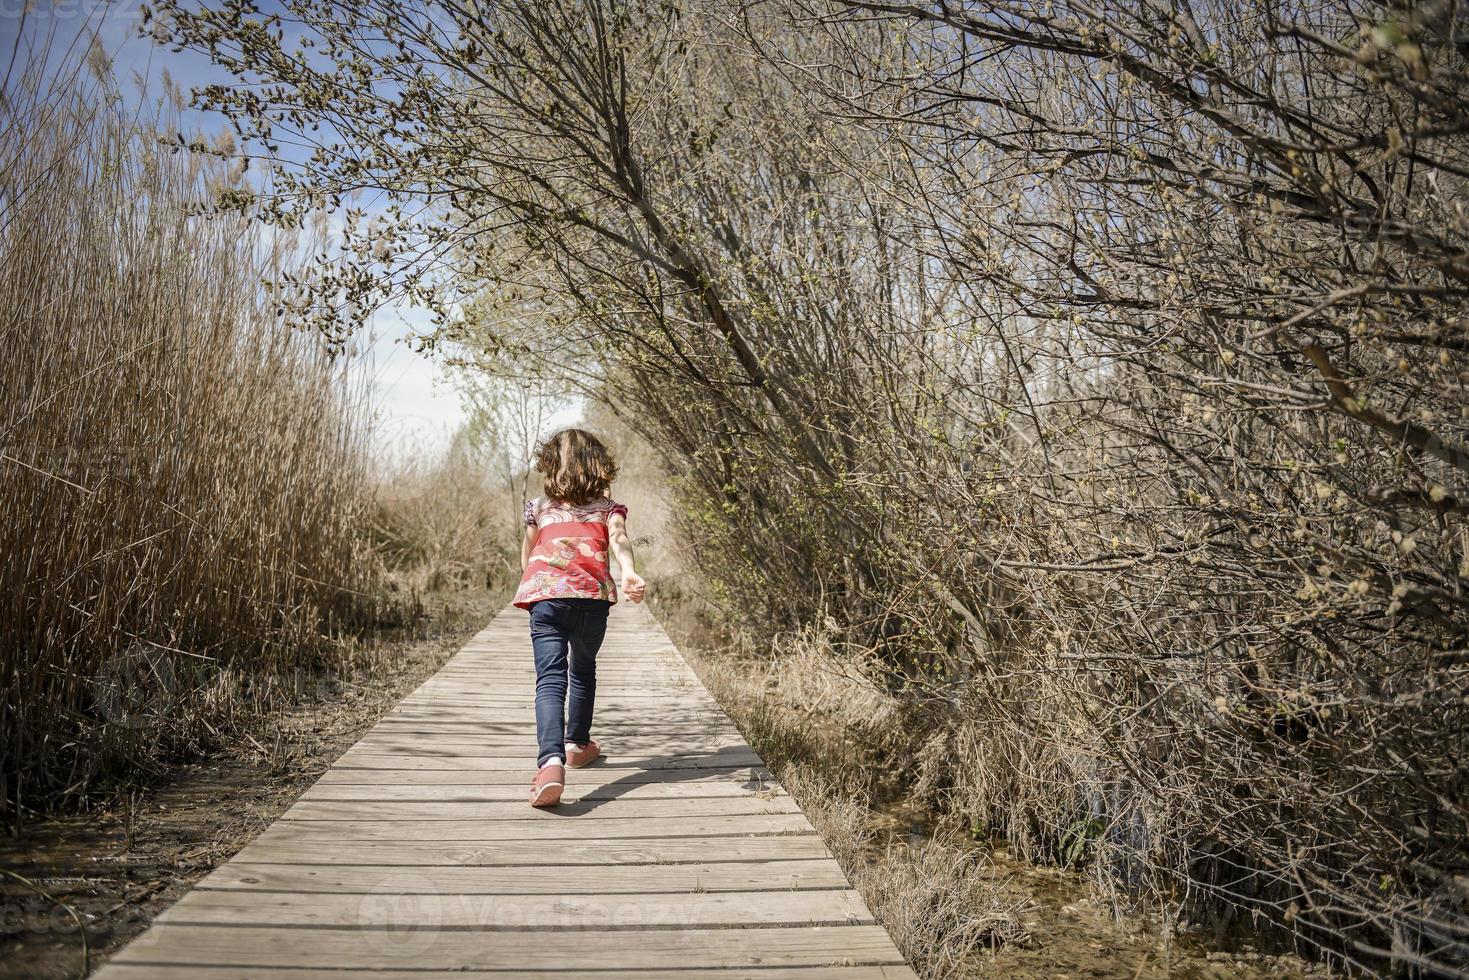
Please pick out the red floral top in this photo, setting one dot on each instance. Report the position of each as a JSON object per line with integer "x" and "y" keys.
{"x": 569, "y": 558}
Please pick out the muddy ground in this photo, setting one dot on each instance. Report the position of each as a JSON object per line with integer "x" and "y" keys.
{"x": 113, "y": 869}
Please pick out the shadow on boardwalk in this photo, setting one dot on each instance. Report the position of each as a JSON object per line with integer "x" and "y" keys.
{"x": 721, "y": 760}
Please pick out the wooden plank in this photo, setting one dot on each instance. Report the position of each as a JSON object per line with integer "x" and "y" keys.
{"x": 611, "y": 720}
{"x": 459, "y": 792}
{"x": 387, "y": 743}
{"x": 448, "y": 949}
{"x": 613, "y": 879}
{"x": 484, "y": 679}
{"x": 552, "y": 831}
{"x": 522, "y": 672}
{"x": 751, "y": 777}
{"x": 606, "y": 713}
{"x": 671, "y": 850}
{"x": 429, "y": 811}
{"x": 523, "y": 696}
{"x": 640, "y": 683}
{"x": 354, "y": 759}
{"x": 523, "y": 751}
{"x": 641, "y": 687}
{"x": 519, "y": 668}
{"x": 638, "y": 686}
{"x": 525, "y": 701}
{"x": 378, "y": 910}
{"x": 127, "y": 971}
{"x": 526, "y": 731}
{"x": 524, "y": 721}
{"x": 671, "y": 721}
{"x": 668, "y": 680}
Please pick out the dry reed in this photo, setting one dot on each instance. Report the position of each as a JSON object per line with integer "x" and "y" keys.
{"x": 447, "y": 521}
{"x": 181, "y": 473}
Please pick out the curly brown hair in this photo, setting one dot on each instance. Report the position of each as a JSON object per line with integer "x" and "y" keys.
{"x": 575, "y": 467}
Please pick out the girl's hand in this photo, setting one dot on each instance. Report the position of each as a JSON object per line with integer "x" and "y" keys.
{"x": 633, "y": 586}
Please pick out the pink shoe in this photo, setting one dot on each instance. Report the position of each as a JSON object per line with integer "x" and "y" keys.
{"x": 546, "y": 787}
{"x": 582, "y": 755}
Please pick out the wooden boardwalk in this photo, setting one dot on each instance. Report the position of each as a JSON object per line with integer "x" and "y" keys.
{"x": 417, "y": 856}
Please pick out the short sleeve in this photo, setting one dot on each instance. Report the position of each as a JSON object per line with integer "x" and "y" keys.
{"x": 617, "y": 510}
{"x": 530, "y": 513}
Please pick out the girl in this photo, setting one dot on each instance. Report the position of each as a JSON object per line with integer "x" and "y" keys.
{"x": 568, "y": 589}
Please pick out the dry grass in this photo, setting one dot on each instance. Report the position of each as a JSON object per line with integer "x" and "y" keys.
{"x": 445, "y": 522}
{"x": 798, "y": 697}
{"x": 181, "y": 474}
{"x": 936, "y": 900}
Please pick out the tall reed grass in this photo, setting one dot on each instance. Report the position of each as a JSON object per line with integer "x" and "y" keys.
{"x": 182, "y": 475}
{"x": 447, "y": 520}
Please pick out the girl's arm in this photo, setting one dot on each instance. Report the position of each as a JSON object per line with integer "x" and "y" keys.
{"x": 633, "y": 585}
{"x": 527, "y": 545}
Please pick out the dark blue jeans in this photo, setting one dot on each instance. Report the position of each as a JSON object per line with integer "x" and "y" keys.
{"x": 556, "y": 627}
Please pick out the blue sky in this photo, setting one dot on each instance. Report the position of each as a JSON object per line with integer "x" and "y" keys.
{"x": 416, "y": 407}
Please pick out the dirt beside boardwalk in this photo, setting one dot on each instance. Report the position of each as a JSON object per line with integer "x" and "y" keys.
{"x": 115, "y": 869}
{"x": 1070, "y": 932}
